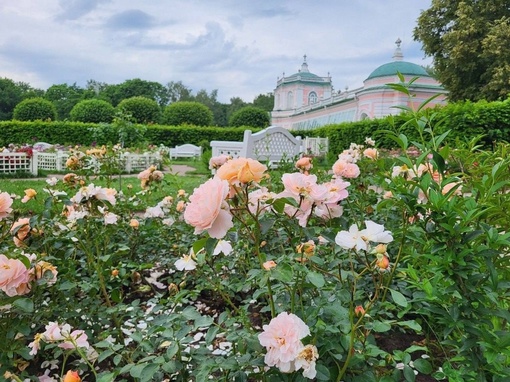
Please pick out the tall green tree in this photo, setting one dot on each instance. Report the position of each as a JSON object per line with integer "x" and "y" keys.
{"x": 177, "y": 91}
{"x": 468, "y": 41}
{"x": 12, "y": 93}
{"x": 64, "y": 97}
{"x": 264, "y": 101}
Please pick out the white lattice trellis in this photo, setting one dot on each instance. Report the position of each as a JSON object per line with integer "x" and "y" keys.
{"x": 56, "y": 161}
{"x": 14, "y": 162}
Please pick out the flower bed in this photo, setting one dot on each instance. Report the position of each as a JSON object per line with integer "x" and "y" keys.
{"x": 267, "y": 275}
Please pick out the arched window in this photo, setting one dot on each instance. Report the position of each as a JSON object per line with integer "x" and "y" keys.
{"x": 364, "y": 116}
{"x": 312, "y": 98}
{"x": 290, "y": 100}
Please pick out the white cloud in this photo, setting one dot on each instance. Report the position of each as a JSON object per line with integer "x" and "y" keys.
{"x": 239, "y": 48}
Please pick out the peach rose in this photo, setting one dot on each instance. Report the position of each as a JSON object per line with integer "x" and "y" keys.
{"x": 345, "y": 169}
{"x": 133, "y": 223}
{"x": 30, "y": 193}
{"x": 304, "y": 164}
{"x": 208, "y": 210}
{"x": 268, "y": 265}
{"x": 5, "y": 205}
{"x": 72, "y": 376}
{"x": 13, "y": 276}
{"x": 371, "y": 153}
{"x": 242, "y": 170}
{"x": 21, "y": 230}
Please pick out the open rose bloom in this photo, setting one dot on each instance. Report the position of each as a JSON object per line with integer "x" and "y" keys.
{"x": 282, "y": 340}
{"x": 207, "y": 209}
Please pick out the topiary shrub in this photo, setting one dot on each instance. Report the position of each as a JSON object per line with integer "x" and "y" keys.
{"x": 33, "y": 109}
{"x": 141, "y": 109}
{"x": 191, "y": 113}
{"x": 250, "y": 116}
{"x": 92, "y": 111}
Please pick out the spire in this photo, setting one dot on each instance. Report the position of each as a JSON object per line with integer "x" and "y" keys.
{"x": 304, "y": 66}
{"x": 398, "y": 56}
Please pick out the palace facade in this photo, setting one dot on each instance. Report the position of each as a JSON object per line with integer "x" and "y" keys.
{"x": 305, "y": 101}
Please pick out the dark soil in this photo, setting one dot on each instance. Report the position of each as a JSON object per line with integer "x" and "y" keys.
{"x": 401, "y": 341}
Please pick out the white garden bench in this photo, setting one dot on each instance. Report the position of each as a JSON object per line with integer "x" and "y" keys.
{"x": 270, "y": 145}
{"x": 186, "y": 151}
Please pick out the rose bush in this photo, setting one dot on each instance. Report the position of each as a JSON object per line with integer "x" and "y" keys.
{"x": 288, "y": 274}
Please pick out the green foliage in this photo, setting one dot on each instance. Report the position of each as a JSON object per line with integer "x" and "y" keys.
{"x": 33, "y": 109}
{"x": 465, "y": 120}
{"x": 64, "y": 97}
{"x": 468, "y": 42}
{"x": 264, "y": 102}
{"x": 250, "y": 116}
{"x": 142, "y": 109}
{"x": 92, "y": 111}
{"x": 187, "y": 113}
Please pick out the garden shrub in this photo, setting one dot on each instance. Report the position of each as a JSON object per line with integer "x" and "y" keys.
{"x": 93, "y": 111}
{"x": 142, "y": 109}
{"x": 33, "y": 109}
{"x": 250, "y": 116}
{"x": 188, "y": 113}
{"x": 269, "y": 275}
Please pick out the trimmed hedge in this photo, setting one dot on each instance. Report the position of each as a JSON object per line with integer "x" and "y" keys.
{"x": 92, "y": 111}
{"x": 465, "y": 120}
{"x": 141, "y": 109}
{"x": 189, "y": 113}
{"x": 33, "y": 109}
{"x": 78, "y": 133}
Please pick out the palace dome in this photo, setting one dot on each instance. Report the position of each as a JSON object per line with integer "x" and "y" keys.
{"x": 403, "y": 67}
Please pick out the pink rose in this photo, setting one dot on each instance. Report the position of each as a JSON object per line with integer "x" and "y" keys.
{"x": 218, "y": 161}
{"x": 208, "y": 210}
{"x": 282, "y": 340}
{"x": 13, "y": 275}
{"x": 5, "y": 205}
{"x": 346, "y": 169}
{"x": 371, "y": 153}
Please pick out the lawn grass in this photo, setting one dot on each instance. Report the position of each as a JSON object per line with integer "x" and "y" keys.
{"x": 129, "y": 185}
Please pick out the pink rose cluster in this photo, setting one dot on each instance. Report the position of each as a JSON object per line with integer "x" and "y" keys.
{"x": 346, "y": 166}
{"x": 61, "y": 334}
{"x": 16, "y": 279}
{"x": 312, "y": 197}
{"x": 282, "y": 340}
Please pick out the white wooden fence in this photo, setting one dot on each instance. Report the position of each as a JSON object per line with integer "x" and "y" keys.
{"x": 56, "y": 161}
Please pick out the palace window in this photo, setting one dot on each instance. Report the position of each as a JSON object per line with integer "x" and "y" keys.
{"x": 312, "y": 98}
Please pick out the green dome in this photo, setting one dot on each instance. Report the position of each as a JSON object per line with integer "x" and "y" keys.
{"x": 403, "y": 67}
{"x": 304, "y": 76}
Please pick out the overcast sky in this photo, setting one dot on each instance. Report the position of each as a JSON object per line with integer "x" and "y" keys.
{"x": 239, "y": 47}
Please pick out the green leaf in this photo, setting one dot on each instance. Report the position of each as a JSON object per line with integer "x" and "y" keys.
{"x": 316, "y": 279}
{"x": 411, "y": 324}
{"x": 322, "y": 373}
{"x": 380, "y": 326}
{"x": 148, "y": 372}
{"x": 105, "y": 355}
{"x": 398, "y": 298}
{"x": 423, "y": 366}
{"x": 106, "y": 377}
{"x": 199, "y": 244}
{"x": 26, "y": 305}
{"x": 283, "y": 272}
{"x": 409, "y": 374}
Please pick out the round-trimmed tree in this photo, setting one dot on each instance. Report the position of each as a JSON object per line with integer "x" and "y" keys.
{"x": 141, "y": 109}
{"x": 191, "y": 113}
{"x": 250, "y": 116}
{"x": 92, "y": 111}
{"x": 33, "y": 109}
